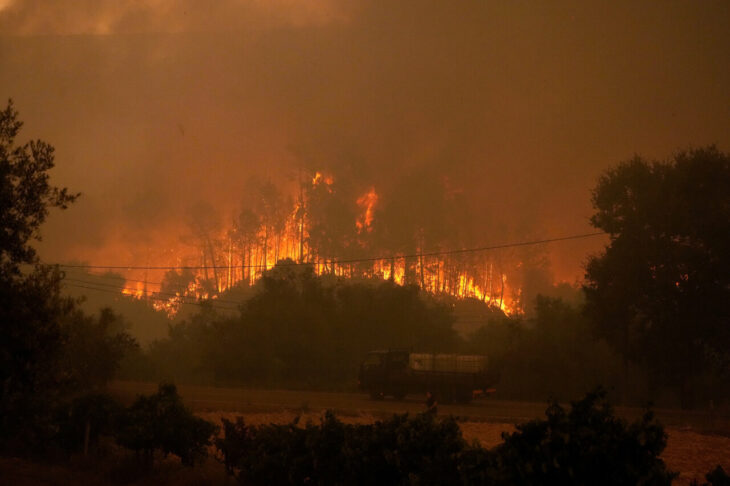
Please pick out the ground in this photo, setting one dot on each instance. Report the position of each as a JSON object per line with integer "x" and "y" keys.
{"x": 697, "y": 441}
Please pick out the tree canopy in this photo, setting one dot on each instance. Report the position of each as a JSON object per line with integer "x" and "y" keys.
{"x": 47, "y": 347}
{"x": 660, "y": 292}
{"x": 25, "y": 193}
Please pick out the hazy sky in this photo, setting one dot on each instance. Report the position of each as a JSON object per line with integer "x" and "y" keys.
{"x": 520, "y": 105}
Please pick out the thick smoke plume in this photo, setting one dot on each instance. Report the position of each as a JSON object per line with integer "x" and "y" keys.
{"x": 482, "y": 120}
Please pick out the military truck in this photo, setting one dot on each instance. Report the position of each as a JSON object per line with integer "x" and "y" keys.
{"x": 450, "y": 377}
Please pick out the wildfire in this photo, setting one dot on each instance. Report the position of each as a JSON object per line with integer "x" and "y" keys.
{"x": 138, "y": 291}
{"x": 367, "y": 203}
{"x": 322, "y": 179}
{"x": 227, "y": 257}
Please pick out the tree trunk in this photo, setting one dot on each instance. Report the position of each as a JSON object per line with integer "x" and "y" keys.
{"x": 230, "y": 263}
{"x": 420, "y": 264}
{"x": 215, "y": 267}
{"x": 501, "y": 293}
{"x": 205, "y": 264}
{"x": 266, "y": 248}
{"x": 491, "y": 290}
{"x": 277, "y": 241}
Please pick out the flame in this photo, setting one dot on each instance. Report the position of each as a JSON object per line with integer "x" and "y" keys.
{"x": 235, "y": 262}
{"x": 367, "y": 203}
{"x": 322, "y": 179}
{"x": 138, "y": 291}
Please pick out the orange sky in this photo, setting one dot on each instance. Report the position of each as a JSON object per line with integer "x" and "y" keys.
{"x": 519, "y": 106}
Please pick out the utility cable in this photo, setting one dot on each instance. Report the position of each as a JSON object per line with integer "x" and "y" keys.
{"x": 169, "y": 294}
{"x": 343, "y": 261}
{"x": 210, "y": 302}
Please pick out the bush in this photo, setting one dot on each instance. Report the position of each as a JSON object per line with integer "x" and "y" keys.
{"x": 161, "y": 422}
{"x": 86, "y": 417}
{"x": 586, "y": 445}
{"x": 402, "y": 450}
{"x": 716, "y": 477}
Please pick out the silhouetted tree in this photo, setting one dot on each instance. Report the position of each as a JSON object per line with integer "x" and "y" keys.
{"x": 31, "y": 305}
{"x": 48, "y": 348}
{"x": 94, "y": 348}
{"x": 204, "y": 224}
{"x": 245, "y": 229}
{"x": 177, "y": 283}
{"x": 660, "y": 292}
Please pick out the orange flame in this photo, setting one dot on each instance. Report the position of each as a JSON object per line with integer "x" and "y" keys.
{"x": 237, "y": 262}
{"x": 367, "y": 202}
{"x": 322, "y": 179}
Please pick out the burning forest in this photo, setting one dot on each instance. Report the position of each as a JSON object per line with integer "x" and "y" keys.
{"x": 320, "y": 225}
{"x": 418, "y": 207}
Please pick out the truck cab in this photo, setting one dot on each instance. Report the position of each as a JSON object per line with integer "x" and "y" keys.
{"x": 384, "y": 372}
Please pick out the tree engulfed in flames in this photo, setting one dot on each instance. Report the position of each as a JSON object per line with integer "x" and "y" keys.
{"x": 313, "y": 232}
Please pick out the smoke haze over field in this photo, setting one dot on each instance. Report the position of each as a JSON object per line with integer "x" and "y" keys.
{"x": 513, "y": 109}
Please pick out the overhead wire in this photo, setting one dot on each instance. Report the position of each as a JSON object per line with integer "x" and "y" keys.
{"x": 210, "y": 302}
{"x": 169, "y": 294}
{"x": 341, "y": 261}
{"x": 216, "y": 303}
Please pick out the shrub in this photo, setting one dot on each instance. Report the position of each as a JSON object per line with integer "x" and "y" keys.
{"x": 86, "y": 417}
{"x": 587, "y": 445}
{"x": 161, "y": 422}
{"x": 402, "y": 450}
{"x": 716, "y": 477}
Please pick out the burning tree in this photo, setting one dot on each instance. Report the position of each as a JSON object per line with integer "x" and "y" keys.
{"x": 342, "y": 228}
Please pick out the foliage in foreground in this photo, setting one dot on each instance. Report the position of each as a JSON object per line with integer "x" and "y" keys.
{"x": 660, "y": 291}
{"x": 716, "y": 477}
{"x": 161, "y": 422}
{"x": 586, "y": 445}
{"x": 157, "y": 422}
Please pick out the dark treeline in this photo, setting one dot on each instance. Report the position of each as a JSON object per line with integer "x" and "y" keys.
{"x": 654, "y": 325}
{"x": 300, "y": 330}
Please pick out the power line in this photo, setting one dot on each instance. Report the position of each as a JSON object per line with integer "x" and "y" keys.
{"x": 169, "y": 294}
{"x": 353, "y": 260}
{"x": 114, "y": 292}
{"x": 112, "y": 277}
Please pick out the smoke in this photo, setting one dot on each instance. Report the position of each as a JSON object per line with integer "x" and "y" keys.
{"x": 110, "y": 17}
{"x": 508, "y": 111}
